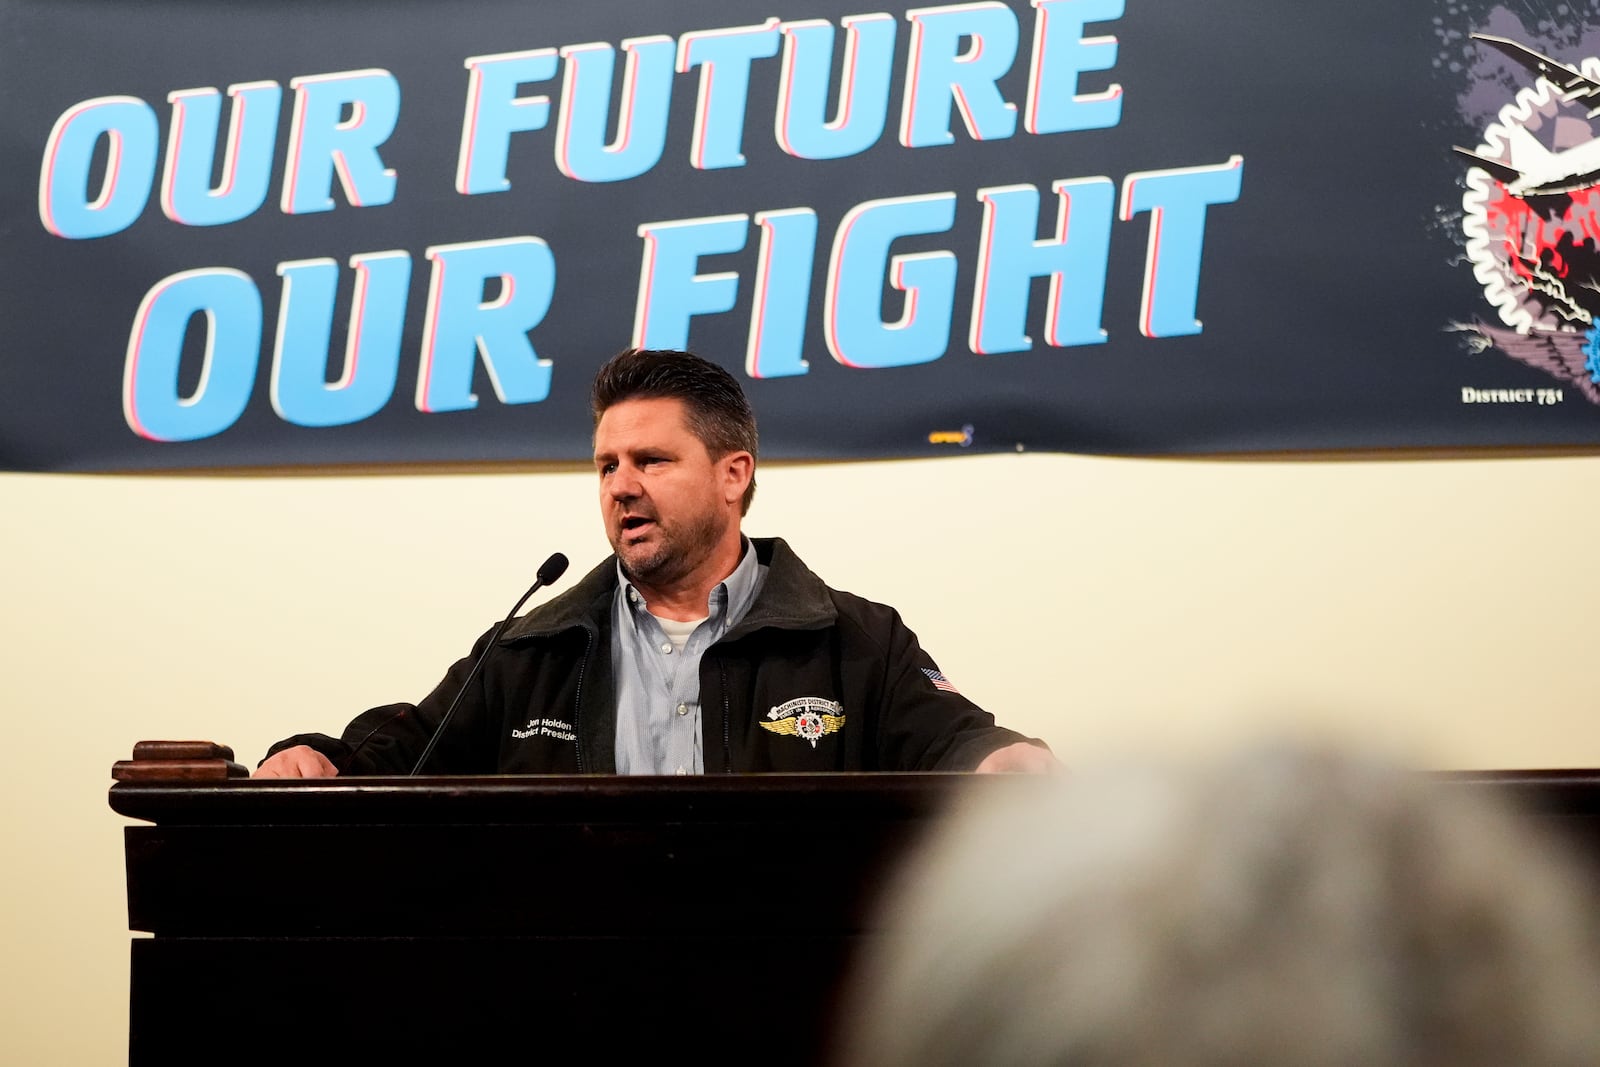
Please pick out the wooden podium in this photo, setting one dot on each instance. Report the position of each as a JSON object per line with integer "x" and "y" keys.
{"x": 603, "y": 919}
{"x": 450, "y": 920}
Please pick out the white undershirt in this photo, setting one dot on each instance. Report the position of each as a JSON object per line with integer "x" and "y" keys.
{"x": 678, "y": 632}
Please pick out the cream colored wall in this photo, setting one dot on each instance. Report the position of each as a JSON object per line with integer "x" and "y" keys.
{"x": 1102, "y": 604}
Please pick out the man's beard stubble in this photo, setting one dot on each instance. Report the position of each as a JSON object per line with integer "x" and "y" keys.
{"x": 678, "y": 551}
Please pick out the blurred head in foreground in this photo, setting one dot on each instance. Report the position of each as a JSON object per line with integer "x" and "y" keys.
{"x": 1283, "y": 910}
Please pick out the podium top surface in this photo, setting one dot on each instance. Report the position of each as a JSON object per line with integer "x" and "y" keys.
{"x": 536, "y": 798}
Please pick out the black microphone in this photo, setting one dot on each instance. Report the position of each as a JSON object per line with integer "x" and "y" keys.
{"x": 549, "y": 571}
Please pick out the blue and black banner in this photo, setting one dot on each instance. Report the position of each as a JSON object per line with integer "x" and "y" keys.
{"x": 280, "y": 233}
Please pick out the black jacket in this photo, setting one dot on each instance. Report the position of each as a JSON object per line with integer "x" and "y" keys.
{"x": 846, "y": 670}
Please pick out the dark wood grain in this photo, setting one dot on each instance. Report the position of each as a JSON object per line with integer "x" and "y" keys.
{"x": 182, "y": 750}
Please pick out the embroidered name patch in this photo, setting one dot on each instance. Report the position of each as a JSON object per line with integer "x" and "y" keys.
{"x": 556, "y": 728}
{"x": 808, "y": 718}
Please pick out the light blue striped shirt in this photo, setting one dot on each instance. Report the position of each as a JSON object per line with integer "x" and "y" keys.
{"x": 658, "y": 686}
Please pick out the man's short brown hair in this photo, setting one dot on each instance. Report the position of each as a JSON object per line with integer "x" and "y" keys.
{"x": 714, "y": 404}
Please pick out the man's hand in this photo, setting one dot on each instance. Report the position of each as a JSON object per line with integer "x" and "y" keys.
{"x": 1018, "y": 758}
{"x": 301, "y": 761}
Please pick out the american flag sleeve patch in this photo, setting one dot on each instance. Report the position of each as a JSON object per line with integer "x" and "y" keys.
{"x": 940, "y": 681}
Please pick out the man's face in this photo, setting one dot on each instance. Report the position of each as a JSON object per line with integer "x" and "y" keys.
{"x": 663, "y": 499}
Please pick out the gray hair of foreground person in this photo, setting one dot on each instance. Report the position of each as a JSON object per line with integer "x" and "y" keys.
{"x": 1282, "y": 910}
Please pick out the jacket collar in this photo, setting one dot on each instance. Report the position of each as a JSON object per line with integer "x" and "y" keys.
{"x": 791, "y": 598}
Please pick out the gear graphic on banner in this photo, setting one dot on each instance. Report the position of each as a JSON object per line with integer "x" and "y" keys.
{"x": 1532, "y": 219}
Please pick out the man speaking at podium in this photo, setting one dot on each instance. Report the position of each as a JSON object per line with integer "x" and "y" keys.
{"x": 694, "y": 649}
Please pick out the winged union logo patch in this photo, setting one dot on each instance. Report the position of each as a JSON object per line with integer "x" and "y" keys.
{"x": 808, "y": 718}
